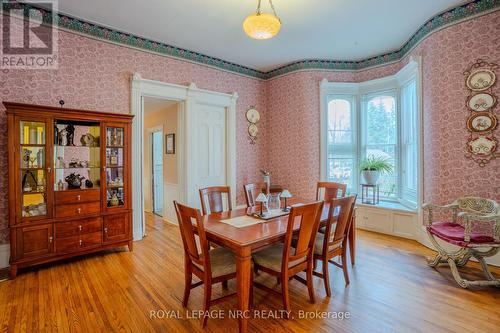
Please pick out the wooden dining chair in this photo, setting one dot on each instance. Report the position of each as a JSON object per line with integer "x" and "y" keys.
{"x": 213, "y": 195}
{"x": 252, "y": 190}
{"x": 285, "y": 261}
{"x": 210, "y": 266}
{"x": 331, "y": 190}
{"x": 333, "y": 242}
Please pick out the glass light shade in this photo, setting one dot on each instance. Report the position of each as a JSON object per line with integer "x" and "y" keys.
{"x": 261, "y": 198}
{"x": 261, "y": 26}
{"x": 286, "y": 194}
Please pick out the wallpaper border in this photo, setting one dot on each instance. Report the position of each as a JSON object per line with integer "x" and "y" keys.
{"x": 447, "y": 18}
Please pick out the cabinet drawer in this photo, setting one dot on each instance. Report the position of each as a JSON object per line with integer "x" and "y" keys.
{"x": 78, "y": 209}
{"x": 86, "y": 226}
{"x": 76, "y": 196}
{"x": 78, "y": 243}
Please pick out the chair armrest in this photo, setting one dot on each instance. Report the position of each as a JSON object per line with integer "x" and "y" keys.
{"x": 430, "y": 208}
{"x": 468, "y": 218}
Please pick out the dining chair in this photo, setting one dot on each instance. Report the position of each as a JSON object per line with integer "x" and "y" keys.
{"x": 284, "y": 261}
{"x": 252, "y": 190}
{"x": 213, "y": 195}
{"x": 333, "y": 242}
{"x": 330, "y": 190}
{"x": 210, "y": 266}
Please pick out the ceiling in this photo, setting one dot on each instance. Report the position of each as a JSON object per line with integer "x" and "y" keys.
{"x": 311, "y": 29}
{"x": 155, "y": 104}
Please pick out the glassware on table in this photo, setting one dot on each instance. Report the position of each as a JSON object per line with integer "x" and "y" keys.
{"x": 274, "y": 202}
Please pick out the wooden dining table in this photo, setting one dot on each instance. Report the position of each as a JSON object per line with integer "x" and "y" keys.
{"x": 247, "y": 240}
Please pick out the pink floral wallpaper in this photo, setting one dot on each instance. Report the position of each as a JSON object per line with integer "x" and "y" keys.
{"x": 294, "y": 120}
{"x": 95, "y": 75}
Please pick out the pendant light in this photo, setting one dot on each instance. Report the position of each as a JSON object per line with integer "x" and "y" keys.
{"x": 261, "y": 25}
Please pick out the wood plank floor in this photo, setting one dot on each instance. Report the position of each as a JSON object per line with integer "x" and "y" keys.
{"x": 391, "y": 290}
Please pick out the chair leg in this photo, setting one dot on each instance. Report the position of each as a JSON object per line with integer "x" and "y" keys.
{"x": 278, "y": 280}
{"x": 206, "y": 302}
{"x": 436, "y": 261}
{"x": 315, "y": 264}
{"x": 224, "y": 285}
{"x": 344, "y": 267}
{"x": 326, "y": 278}
{"x": 251, "y": 291}
{"x": 284, "y": 293}
{"x": 456, "y": 275}
{"x": 188, "y": 278}
{"x": 310, "y": 287}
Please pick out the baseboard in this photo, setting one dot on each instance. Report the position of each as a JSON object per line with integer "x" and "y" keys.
{"x": 4, "y": 255}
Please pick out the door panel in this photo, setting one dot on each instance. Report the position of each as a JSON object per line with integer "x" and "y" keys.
{"x": 116, "y": 228}
{"x": 211, "y": 146}
{"x": 157, "y": 163}
{"x": 34, "y": 241}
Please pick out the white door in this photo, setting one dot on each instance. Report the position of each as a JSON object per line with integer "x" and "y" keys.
{"x": 211, "y": 146}
{"x": 157, "y": 170}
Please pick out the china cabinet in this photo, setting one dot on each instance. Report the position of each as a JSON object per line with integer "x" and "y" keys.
{"x": 69, "y": 183}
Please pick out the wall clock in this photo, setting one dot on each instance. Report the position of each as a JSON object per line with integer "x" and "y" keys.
{"x": 253, "y": 117}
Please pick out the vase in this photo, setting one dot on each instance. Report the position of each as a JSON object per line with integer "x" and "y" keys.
{"x": 371, "y": 177}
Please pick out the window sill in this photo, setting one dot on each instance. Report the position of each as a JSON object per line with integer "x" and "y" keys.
{"x": 387, "y": 205}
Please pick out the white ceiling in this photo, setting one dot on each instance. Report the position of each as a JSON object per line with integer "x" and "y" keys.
{"x": 156, "y": 104}
{"x": 311, "y": 29}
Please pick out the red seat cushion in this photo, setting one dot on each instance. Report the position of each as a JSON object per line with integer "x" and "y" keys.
{"x": 454, "y": 233}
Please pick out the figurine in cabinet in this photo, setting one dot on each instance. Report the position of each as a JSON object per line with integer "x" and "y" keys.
{"x": 63, "y": 138}
{"x": 74, "y": 181}
{"x": 70, "y": 130}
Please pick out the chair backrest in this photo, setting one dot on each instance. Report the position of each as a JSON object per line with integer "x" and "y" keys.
{"x": 477, "y": 205}
{"x": 185, "y": 216}
{"x": 251, "y": 192}
{"x": 340, "y": 212}
{"x": 331, "y": 190}
{"x": 308, "y": 215}
{"x": 213, "y": 195}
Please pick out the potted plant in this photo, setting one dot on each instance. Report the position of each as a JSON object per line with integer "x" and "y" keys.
{"x": 372, "y": 167}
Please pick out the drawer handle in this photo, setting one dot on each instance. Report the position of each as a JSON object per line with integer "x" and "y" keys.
{"x": 51, "y": 239}
{"x": 105, "y": 230}
{"x": 81, "y": 242}
{"x": 78, "y": 197}
{"x": 80, "y": 228}
{"x": 79, "y": 210}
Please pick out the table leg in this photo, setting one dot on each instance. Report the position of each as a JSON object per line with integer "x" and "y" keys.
{"x": 352, "y": 239}
{"x": 243, "y": 276}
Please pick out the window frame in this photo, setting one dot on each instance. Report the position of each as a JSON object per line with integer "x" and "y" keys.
{"x": 358, "y": 92}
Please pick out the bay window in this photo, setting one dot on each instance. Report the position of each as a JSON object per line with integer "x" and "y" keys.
{"x": 377, "y": 118}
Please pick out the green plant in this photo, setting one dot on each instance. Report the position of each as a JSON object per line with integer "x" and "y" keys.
{"x": 373, "y": 163}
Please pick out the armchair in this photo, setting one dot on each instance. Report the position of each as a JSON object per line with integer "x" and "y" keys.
{"x": 467, "y": 212}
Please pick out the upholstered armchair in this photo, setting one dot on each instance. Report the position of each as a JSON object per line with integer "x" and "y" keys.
{"x": 471, "y": 218}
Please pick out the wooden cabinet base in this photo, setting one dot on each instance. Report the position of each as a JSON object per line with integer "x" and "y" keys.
{"x": 57, "y": 256}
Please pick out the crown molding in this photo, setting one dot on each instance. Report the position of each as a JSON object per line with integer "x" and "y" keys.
{"x": 452, "y": 16}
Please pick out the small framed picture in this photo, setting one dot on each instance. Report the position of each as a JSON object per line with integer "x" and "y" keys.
{"x": 170, "y": 143}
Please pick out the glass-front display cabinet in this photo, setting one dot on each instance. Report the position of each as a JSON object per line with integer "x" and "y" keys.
{"x": 69, "y": 173}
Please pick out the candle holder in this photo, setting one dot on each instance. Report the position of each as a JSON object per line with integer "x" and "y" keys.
{"x": 286, "y": 194}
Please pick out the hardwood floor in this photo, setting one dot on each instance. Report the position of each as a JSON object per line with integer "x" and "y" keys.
{"x": 391, "y": 290}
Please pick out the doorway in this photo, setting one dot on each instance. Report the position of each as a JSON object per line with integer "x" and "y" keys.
{"x": 157, "y": 172}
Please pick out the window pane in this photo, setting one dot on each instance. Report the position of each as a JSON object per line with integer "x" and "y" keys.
{"x": 339, "y": 122}
{"x": 381, "y": 120}
{"x": 341, "y": 171}
{"x": 341, "y": 150}
{"x": 410, "y": 140}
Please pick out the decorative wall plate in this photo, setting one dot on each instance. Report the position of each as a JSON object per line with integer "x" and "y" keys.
{"x": 253, "y": 130}
{"x": 481, "y": 102}
{"x": 253, "y": 116}
{"x": 482, "y": 145}
{"x": 481, "y": 79}
{"x": 482, "y": 122}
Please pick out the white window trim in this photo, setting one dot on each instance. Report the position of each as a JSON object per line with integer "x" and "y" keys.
{"x": 393, "y": 82}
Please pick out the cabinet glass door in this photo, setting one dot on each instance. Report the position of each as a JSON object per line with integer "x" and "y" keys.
{"x": 115, "y": 162}
{"x": 34, "y": 169}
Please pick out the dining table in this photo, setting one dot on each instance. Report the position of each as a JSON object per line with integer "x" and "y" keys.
{"x": 244, "y": 241}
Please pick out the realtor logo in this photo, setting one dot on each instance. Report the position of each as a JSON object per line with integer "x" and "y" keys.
{"x": 29, "y": 34}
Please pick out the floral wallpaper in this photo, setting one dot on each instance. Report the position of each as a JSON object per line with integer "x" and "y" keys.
{"x": 294, "y": 119}
{"x": 95, "y": 75}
